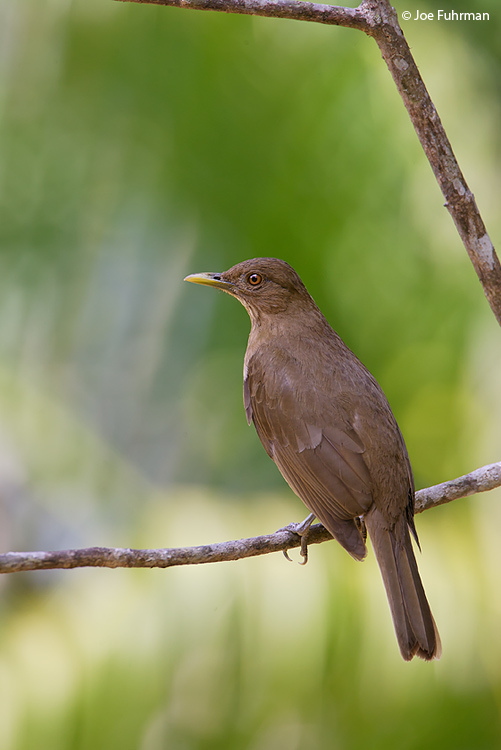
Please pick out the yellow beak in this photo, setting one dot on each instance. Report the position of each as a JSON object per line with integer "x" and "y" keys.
{"x": 209, "y": 279}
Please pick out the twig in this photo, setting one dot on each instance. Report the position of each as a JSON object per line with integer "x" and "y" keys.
{"x": 379, "y": 20}
{"x": 480, "y": 480}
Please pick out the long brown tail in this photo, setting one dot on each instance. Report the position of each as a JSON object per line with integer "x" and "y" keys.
{"x": 415, "y": 627}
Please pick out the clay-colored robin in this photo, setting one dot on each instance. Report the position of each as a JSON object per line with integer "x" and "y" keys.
{"x": 326, "y": 423}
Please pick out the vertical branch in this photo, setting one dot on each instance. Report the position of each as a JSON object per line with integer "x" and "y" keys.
{"x": 460, "y": 201}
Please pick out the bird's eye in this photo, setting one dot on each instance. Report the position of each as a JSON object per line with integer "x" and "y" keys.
{"x": 254, "y": 279}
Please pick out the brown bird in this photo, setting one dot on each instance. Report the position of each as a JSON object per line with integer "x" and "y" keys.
{"x": 325, "y": 421}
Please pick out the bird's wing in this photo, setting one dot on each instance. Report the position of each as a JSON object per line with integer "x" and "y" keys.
{"x": 322, "y": 461}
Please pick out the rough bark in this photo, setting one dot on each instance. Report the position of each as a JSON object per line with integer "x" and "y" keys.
{"x": 480, "y": 480}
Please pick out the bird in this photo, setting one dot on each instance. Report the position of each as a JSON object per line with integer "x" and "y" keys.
{"x": 326, "y": 423}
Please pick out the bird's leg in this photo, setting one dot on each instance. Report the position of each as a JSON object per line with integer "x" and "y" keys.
{"x": 360, "y": 522}
{"x": 302, "y": 530}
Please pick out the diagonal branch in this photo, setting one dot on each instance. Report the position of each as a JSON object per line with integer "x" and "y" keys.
{"x": 480, "y": 480}
{"x": 296, "y": 10}
{"x": 379, "y": 20}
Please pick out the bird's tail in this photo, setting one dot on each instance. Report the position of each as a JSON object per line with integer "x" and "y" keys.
{"x": 415, "y": 627}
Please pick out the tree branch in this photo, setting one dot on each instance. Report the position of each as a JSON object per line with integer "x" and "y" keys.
{"x": 480, "y": 480}
{"x": 295, "y": 10}
{"x": 379, "y": 20}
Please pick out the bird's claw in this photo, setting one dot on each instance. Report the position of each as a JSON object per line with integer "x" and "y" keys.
{"x": 304, "y": 548}
{"x": 304, "y": 551}
{"x": 301, "y": 529}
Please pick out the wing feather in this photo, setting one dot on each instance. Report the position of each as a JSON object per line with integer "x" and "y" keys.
{"x": 322, "y": 462}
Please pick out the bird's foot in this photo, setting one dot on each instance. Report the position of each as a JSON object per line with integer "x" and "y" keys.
{"x": 301, "y": 529}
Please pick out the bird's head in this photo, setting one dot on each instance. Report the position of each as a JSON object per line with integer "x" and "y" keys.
{"x": 264, "y": 286}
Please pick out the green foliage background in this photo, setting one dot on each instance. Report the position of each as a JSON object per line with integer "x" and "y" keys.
{"x": 139, "y": 144}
